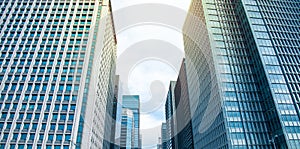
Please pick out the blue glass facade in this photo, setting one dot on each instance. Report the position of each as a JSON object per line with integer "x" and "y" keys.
{"x": 127, "y": 129}
{"x": 242, "y": 70}
{"x": 132, "y": 102}
{"x": 183, "y": 114}
{"x": 48, "y": 52}
{"x": 114, "y": 112}
{"x": 164, "y": 136}
{"x": 170, "y": 114}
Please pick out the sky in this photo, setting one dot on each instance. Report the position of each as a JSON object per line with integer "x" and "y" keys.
{"x": 150, "y": 52}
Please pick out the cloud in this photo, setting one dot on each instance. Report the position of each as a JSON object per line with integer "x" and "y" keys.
{"x": 151, "y": 131}
{"x": 143, "y": 32}
{"x": 118, "y": 4}
{"x": 150, "y": 77}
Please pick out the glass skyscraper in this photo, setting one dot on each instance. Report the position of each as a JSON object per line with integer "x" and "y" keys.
{"x": 132, "y": 102}
{"x": 57, "y": 63}
{"x": 242, "y": 59}
{"x": 114, "y": 112}
{"x": 127, "y": 129}
{"x": 183, "y": 115}
{"x": 164, "y": 136}
{"x": 170, "y": 113}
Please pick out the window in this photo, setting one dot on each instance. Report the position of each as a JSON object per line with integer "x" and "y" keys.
{"x": 70, "y": 78}
{"x": 67, "y": 137}
{"x": 54, "y": 117}
{"x": 44, "y": 87}
{"x": 63, "y": 117}
{"x": 61, "y": 87}
{"x": 58, "y": 98}
{"x": 31, "y": 137}
{"x": 59, "y": 137}
{"x": 52, "y": 127}
{"x": 76, "y": 87}
{"x": 39, "y": 107}
{"x": 31, "y": 106}
{"x": 29, "y": 87}
{"x": 28, "y": 117}
{"x": 50, "y": 137}
{"x": 7, "y": 105}
{"x": 26, "y": 126}
{"x": 21, "y": 116}
{"x": 47, "y": 78}
{"x": 43, "y": 126}
{"x": 63, "y": 78}
{"x": 48, "y": 107}
{"x": 12, "y": 115}
{"x": 61, "y": 127}
{"x": 8, "y": 125}
{"x": 73, "y": 107}
{"x": 20, "y": 87}
{"x": 37, "y": 116}
{"x": 34, "y": 126}
{"x": 46, "y": 116}
{"x": 74, "y": 98}
{"x": 69, "y": 127}
{"x": 67, "y": 98}
{"x": 18, "y": 126}
{"x": 34, "y": 97}
{"x": 71, "y": 117}
{"x": 65, "y": 107}
{"x": 56, "y": 108}
{"x": 23, "y": 136}
{"x": 41, "y": 137}
{"x": 15, "y": 136}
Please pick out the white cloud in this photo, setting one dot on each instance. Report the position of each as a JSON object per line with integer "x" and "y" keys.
{"x": 137, "y": 34}
{"x": 151, "y": 131}
{"x": 118, "y": 4}
{"x": 150, "y": 78}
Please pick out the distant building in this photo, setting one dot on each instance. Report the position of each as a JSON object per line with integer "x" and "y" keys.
{"x": 183, "y": 114}
{"x": 164, "y": 136}
{"x": 127, "y": 129}
{"x": 170, "y": 111}
{"x": 132, "y": 102}
{"x": 159, "y": 145}
{"x": 114, "y": 113}
{"x": 117, "y": 140}
{"x": 140, "y": 141}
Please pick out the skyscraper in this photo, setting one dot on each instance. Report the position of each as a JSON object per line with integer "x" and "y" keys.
{"x": 183, "y": 114}
{"x": 57, "y": 68}
{"x": 132, "y": 102}
{"x": 159, "y": 146}
{"x": 170, "y": 113}
{"x": 114, "y": 112}
{"x": 164, "y": 137}
{"x": 127, "y": 129}
{"x": 242, "y": 62}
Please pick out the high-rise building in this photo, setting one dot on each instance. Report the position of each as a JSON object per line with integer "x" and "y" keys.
{"x": 159, "y": 146}
{"x": 183, "y": 114}
{"x": 140, "y": 141}
{"x": 114, "y": 112}
{"x": 57, "y": 68}
{"x": 170, "y": 113}
{"x": 132, "y": 102}
{"x": 164, "y": 137}
{"x": 127, "y": 129}
{"x": 242, "y": 63}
